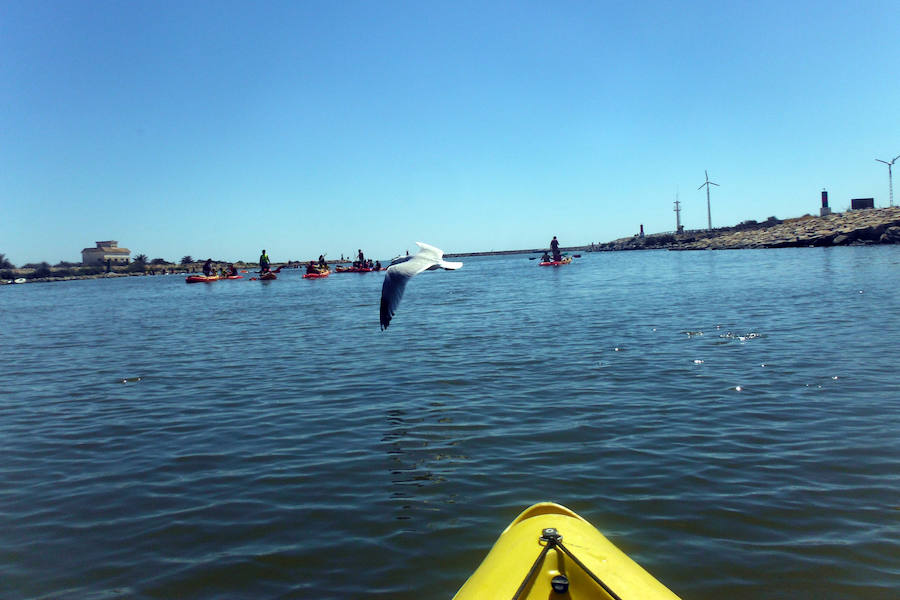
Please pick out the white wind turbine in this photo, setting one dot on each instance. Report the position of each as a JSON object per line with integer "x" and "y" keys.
{"x": 708, "y": 183}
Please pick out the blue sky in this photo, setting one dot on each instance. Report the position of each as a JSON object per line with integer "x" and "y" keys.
{"x": 219, "y": 128}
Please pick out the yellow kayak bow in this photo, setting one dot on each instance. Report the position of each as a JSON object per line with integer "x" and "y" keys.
{"x": 549, "y": 552}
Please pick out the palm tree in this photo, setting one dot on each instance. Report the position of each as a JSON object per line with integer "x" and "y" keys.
{"x": 140, "y": 258}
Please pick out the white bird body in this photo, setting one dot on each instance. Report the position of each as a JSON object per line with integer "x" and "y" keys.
{"x": 402, "y": 270}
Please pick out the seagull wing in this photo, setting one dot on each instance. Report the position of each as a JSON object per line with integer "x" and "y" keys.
{"x": 399, "y": 273}
{"x": 436, "y": 257}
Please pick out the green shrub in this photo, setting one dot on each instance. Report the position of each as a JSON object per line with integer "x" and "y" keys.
{"x": 41, "y": 270}
{"x": 7, "y": 274}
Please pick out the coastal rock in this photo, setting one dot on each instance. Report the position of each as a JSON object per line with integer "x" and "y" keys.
{"x": 891, "y": 235}
{"x": 853, "y": 227}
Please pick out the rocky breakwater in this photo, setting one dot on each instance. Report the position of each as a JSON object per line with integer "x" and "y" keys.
{"x": 873, "y": 226}
{"x": 857, "y": 227}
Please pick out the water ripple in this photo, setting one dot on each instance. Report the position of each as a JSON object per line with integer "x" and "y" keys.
{"x": 299, "y": 451}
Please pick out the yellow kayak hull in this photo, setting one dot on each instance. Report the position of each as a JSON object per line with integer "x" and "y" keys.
{"x": 517, "y": 557}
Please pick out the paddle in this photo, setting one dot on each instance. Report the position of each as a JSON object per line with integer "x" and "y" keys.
{"x": 278, "y": 270}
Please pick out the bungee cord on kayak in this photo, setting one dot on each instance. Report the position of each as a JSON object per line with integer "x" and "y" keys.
{"x": 559, "y": 583}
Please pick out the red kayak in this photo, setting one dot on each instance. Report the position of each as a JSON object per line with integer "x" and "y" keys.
{"x": 555, "y": 263}
{"x": 316, "y": 275}
{"x": 234, "y": 277}
{"x": 201, "y": 278}
{"x": 268, "y": 276}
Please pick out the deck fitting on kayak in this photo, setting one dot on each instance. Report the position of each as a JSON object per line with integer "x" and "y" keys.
{"x": 560, "y": 584}
{"x": 550, "y": 534}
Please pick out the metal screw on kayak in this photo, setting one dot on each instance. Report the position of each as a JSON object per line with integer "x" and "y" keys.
{"x": 550, "y": 534}
{"x": 560, "y": 584}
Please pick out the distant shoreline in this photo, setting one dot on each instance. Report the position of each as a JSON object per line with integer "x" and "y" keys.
{"x": 857, "y": 227}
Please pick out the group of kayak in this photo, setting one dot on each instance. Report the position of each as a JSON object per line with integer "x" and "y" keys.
{"x": 314, "y": 269}
{"x": 360, "y": 266}
{"x": 320, "y": 268}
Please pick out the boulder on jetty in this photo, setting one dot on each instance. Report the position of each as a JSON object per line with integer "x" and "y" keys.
{"x": 855, "y": 227}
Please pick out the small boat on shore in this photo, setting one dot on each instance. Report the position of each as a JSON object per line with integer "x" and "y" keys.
{"x": 548, "y": 551}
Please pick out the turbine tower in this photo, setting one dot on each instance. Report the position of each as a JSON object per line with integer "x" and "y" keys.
{"x": 708, "y": 183}
{"x": 890, "y": 177}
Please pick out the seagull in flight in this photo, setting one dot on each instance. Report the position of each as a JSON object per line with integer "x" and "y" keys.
{"x": 402, "y": 270}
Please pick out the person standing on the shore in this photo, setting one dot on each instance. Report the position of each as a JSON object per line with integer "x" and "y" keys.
{"x": 554, "y": 248}
{"x": 264, "y": 262}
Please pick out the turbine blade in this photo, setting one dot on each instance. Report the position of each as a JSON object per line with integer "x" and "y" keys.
{"x": 715, "y": 184}
{"x": 883, "y": 161}
{"x": 896, "y": 157}
{"x": 701, "y": 186}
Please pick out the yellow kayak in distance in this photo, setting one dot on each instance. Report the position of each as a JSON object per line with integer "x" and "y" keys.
{"x": 550, "y": 552}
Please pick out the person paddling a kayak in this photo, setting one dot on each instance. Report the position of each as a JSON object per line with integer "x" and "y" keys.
{"x": 323, "y": 266}
{"x": 264, "y": 262}
{"x": 545, "y": 257}
{"x": 311, "y": 268}
{"x": 207, "y": 267}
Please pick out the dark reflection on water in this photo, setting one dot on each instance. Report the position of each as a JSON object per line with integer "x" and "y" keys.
{"x": 728, "y": 418}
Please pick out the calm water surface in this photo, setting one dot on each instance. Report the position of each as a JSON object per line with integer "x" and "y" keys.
{"x": 729, "y": 419}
